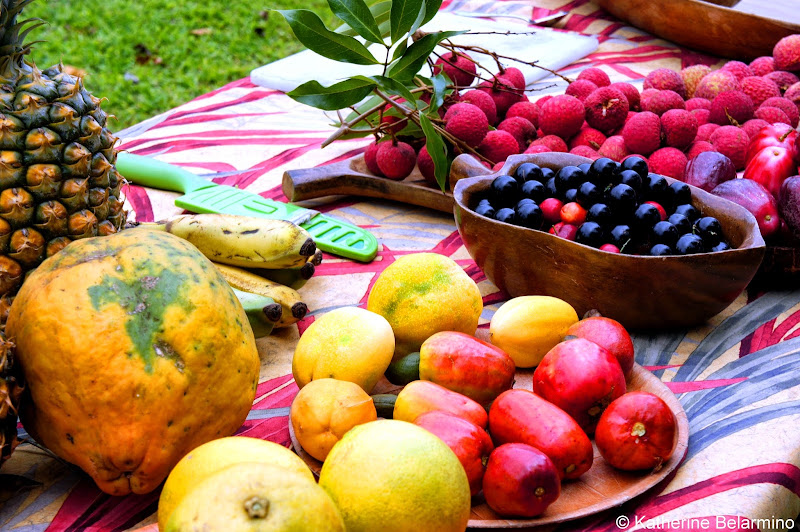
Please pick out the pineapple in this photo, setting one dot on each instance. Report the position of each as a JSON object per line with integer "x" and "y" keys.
{"x": 58, "y": 182}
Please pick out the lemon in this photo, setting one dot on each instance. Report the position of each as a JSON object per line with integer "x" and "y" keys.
{"x": 422, "y": 294}
{"x": 527, "y": 327}
{"x": 324, "y": 410}
{"x": 394, "y": 476}
{"x": 256, "y": 497}
{"x": 349, "y": 344}
{"x": 218, "y": 454}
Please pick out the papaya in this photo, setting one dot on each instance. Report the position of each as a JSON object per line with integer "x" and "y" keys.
{"x": 135, "y": 351}
{"x": 420, "y": 396}
{"x": 464, "y": 364}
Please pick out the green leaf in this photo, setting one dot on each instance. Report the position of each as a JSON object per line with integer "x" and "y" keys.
{"x": 309, "y": 30}
{"x": 437, "y": 150}
{"x": 380, "y": 12}
{"x": 394, "y": 88}
{"x": 431, "y": 8}
{"x": 400, "y": 49}
{"x": 418, "y": 21}
{"x": 404, "y": 14}
{"x": 358, "y": 16}
{"x": 337, "y": 96}
{"x": 439, "y": 83}
{"x": 411, "y": 62}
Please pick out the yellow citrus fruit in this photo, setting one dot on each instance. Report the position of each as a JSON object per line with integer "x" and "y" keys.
{"x": 394, "y": 476}
{"x": 256, "y": 497}
{"x": 527, "y": 327}
{"x": 349, "y": 344}
{"x": 324, "y": 410}
{"x": 422, "y": 294}
{"x": 218, "y": 454}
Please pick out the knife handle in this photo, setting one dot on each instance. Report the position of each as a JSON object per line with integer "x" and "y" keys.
{"x": 150, "y": 172}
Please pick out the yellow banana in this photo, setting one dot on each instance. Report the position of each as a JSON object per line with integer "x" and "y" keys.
{"x": 262, "y": 312}
{"x": 293, "y": 308}
{"x": 245, "y": 241}
{"x": 292, "y": 277}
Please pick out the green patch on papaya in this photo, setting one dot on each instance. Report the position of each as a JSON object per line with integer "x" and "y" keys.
{"x": 412, "y": 290}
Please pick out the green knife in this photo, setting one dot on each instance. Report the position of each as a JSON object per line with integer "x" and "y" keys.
{"x": 203, "y": 196}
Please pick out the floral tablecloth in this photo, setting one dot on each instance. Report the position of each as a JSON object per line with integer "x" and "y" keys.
{"x": 737, "y": 377}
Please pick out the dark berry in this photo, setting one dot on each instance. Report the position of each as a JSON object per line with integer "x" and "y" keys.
{"x": 689, "y": 244}
{"x": 485, "y": 209}
{"x": 600, "y": 213}
{"x": 547, "y": 173}
{"x": 591, "y": 234}
{"x": 603, "y": 170}
{"x": 722, "y": 246}
{"x": 529, "y": 215}
{"x": 665, "y": 233}
{"x": 710, "y": 230}
{"x": 569, "y": 177}
{"x": 506, "y": 215}
{"x": 660, "y": 250}
{"x": 654, "y": 187}
{"x": 528, "y": 171}
{"x": 645, "y": 217}
{"x": 621, "y": 236}
{"x": 589, "y": 194}
{"x": 585, "y": 167}
{"x": 681, "y": 223}
{"x": 550, "y": 188}
{"x": 679, "y": 194}
{"x": 534, "y": 190}
{"x": 571, "y": 195}
{"x": 688, "y": 210}
{"x": 622, "y": 199}
{"x": 632, "y": 179}
{"x": 637, "y": 164}
{"x": 504, "y": 190}
{"x": 523, "y": 201}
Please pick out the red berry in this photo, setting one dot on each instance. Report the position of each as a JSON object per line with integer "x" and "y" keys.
{"x": 551, "y": 210}
{"x": 573, "y": 213}
{"x": 610, "y": 248}
{"x": 660, "y": 209}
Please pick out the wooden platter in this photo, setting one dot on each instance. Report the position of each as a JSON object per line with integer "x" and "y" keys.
{"x": 601, "y": 488}
{"x": 716, "y": 27}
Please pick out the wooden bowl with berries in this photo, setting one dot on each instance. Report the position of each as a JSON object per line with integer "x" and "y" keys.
{"x": 680, "y": 257}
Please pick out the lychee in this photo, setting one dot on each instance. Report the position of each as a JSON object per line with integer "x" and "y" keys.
{"x": 538, "y": 148}
{"x": 752, "y": 127}
{"x": 782, "y": 79}
{"x": 502, "y": 91}
{"x": 585, "y": 151}
{"x": 665, "y": 79}
{"x": 761, "y": 66}
{"x": 701, "y": 116}
{"x": 498, "y": 166}
{"x": 697, "y": 103}
{"x": 543, "y": 100}
{"x": 669, "y": 162}
{"x": 738, "y": 69}
{"x": 642, "y": 133}
{"x": 482, "y": 101}
{"x": 588, "y": 136}
{"x": 662, "y": 102}
{"x": 648, "y": 93}
{"x": 679, "y": 128}
{"x": 731, "y": 107}
{"x": 715, "y": 83}
{"x": 426, "y": 166}
{"x": 466, "y": 122}
{"x": 395, "y": 160}
{"x": 498, "y": 145}
{"x": 631, "y": 94}
{"x": 704, "y": 131}
{"x": 596, "y": 76}
{"x": 369, "y": 159}
{"x": 606, "y": 109}
{"x": 696, "y": 148}
{"x": 614, "y": 148}
{"x": 458, "y": 66}
{"x": 580, "y": 88}
{"x": 731, "y": 141}
{"x": 759, "y": 89}
{"x": 787, "y": 53}
{"x": 691, "y": 76}
{"x": 515, "y": 76}
{"x": 553, "y": 143}
{"x": 793, "y": 94}
{"x": 785, "y": 105}
{"x": 527, "y": 110}
{"x": 561, "y": 115}
{"x": 521, "y": 129}
{"x": 773, "y": 115}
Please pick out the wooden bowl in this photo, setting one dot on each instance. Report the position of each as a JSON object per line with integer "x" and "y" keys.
{"x": 641, "y": 292}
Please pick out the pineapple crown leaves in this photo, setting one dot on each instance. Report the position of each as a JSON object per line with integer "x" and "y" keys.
{"x": 13, "y": 34}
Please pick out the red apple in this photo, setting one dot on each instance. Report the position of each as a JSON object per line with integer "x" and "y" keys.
{"x": 520, "y": 481}
{"x": 609, "y": 334}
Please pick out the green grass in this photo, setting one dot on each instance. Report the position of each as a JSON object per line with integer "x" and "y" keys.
{"x": 101, "y": 37}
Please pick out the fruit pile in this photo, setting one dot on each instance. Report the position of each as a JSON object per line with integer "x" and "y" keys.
{"x": 616, "y": 207}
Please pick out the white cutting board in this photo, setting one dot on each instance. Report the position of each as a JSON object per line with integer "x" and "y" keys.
{"x": 552, "y": 49}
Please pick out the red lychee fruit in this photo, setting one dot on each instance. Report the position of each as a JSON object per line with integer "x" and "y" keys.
{"x": 752, "y": 127}
{"x": 580, "y": 88}
{"x": 498, "y": 145}
{"x": 466, "y": 122}
{"x": 669, "y": 162}
{"x": 426, "y": 166}
{"x": 642, "y": 133}
{"x": 543, "y": 100}
{"x": 787, "y": 53}
{"x": 588, "y": 136}
{"x": 631, "y": 94}
{"x": 647, "y": 93}
{"x": 665, "y": 79}
{"x": 704, "y": 131}
{"x": 678, "y": 128}
{"x": 738, "y": 69}
{"x": 458, "y": 66}
{"x": 482, "y": 101}
{"x": 521, "y": 129}
{"x": 785, "y": 105}
{"x": 606, "y": 109}
{"x": 697, "y": 148}
{"x": 614, "y": 148}
{"x": 499, "y": 166}
{"x": 759, "y": 89}
{"x": 761, "y": 66}
{"x": 596, "y": 76}
{"x": 515, "y": 76}
{"x": 369, "y": 159}
{"x": 538, "y": 148}
{"x": 715, "y": 83}
{"x": 731, "y": 142}
{"x": 697, "y": 103}
{"x": 553, "y": 143}
{"x": 701, "y": 115}
{"x": 782, "y": 79}
{"x": 585, "y": 151}
{"x": 396, "y": 161}
{"x": 527, "y": 110}
{"x": 662, "y": 102}
{"x": 793, "y": 94}
{"x": 561, "y": 115}
{"x": 773, "y": 115}
{"x": 502, "y": 91}
{"x": 691, "y": 76}
{"x": 732, "y": 107}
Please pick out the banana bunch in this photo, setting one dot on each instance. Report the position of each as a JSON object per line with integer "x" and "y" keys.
{"x": 265, "y": 261}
